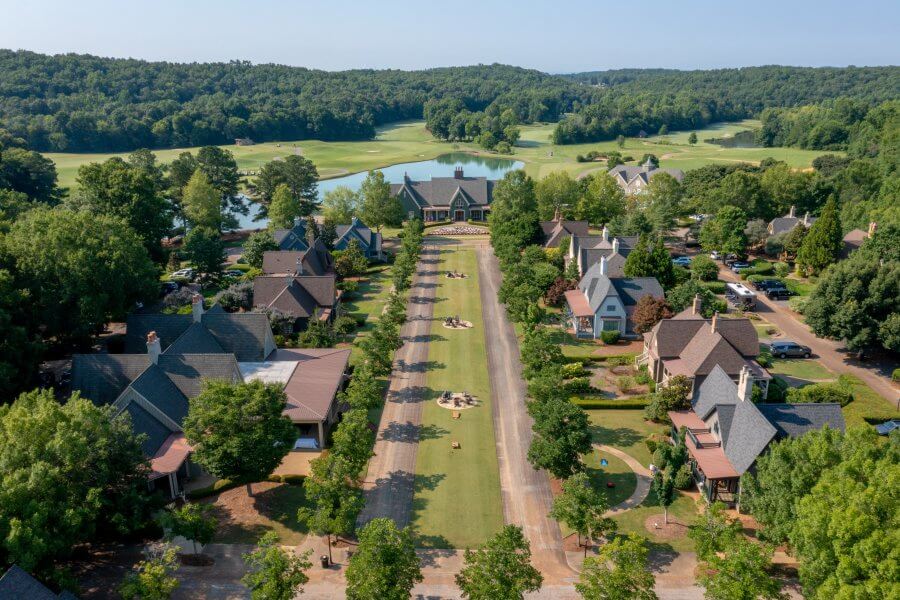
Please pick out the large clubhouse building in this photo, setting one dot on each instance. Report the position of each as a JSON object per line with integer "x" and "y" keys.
{"x": 456, "y": 198}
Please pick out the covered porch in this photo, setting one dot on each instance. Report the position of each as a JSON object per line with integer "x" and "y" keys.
{"x": 170, "y": 467}
{"x": 430, "y": 215}
{"x": 715, "y": 477}
{"x": 579, "y": 314}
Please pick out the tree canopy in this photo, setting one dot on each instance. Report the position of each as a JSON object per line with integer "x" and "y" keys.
{"x": 500, "y": 568}
{"x": 384, "y": 565}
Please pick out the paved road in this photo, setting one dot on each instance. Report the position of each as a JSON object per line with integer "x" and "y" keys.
{"x": 828, "y": 352}
{"x": 389, "y": 482}
{"x": 525, "y": 492}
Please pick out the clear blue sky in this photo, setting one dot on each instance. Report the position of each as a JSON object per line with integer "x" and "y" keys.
{"x": 555, "y": 36}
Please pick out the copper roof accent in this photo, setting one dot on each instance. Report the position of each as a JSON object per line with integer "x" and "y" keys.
{"x": 170, "y": 456}
{"x": 686, "y": 418}
{"x": 579, "y": 303}
{"x": 315, "y": 382}
{"x": 712, "y": 461}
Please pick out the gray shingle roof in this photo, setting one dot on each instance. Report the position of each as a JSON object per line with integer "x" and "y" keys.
{"x": 717, "y": 389}
{"x": 355, "y": 230}
{"x": 156, "y": 387}
{"x": 632, "y": 289}
{"x": 293, "y": 238}
{"x": 615, "y": 263}
{"x": 748, "y": 436}
{"x": 785, "y": 224}
{"x": 103, "y": 377}
{"x": 17, "y": 584}
{"x": 315, "y": 261}
{"x": 243, "y": 334}
{"x": 143, "y": 423}
{"x": 187, "y": 371}
{"x": 794, "y": 420}
{"x": 555, "y": 231}
{"x": 167, "y": 327}
{"x": 195, "y": 340}
{"x": 438, "y": 192}
{"x": 596, "y": 287}
{"x": 629, "y": 172}
{"x": 300, "y": 296}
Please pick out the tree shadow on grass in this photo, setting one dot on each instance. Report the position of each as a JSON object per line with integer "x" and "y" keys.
{"x": 426, "y": 338}
{"x": 624, "y": 484}
{"x": 427, "y": 483}
{"x": 615, "y": 436}
{"x": 239, "y": 524}
{"x": 421, "y": 367}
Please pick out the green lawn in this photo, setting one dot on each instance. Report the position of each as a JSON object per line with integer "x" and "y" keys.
{"x": 867, "y": 404}
{"x": 683, "y": 510}
{"x": 457, "y": 496}
{"x": 410, "y": 141}
{"x": 624, "y": 429}
{"x": 799, "y": 368}
{"x": 616, "y": 471}
{"x": 368, "y": 301}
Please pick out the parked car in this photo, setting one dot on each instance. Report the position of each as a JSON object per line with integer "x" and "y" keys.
{"x": 682, "y": 261}
{"x": 234, "y": 273}
{"x": 715, "y": 255}
{"x": 187, "y": 273}
{"x": 167, "y": 287}
{"x": 789, "y": 349}
{"x": 730, "y": 259}
{"x": 764, "y": 284}
{"x": 739, "y": 266}
{"x": 778, "y": 293}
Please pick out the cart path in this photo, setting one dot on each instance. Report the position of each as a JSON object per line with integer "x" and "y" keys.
{"x": 390, "y": 479}
{"x": 525, "y": 491}
{"x": 642, "y": 487}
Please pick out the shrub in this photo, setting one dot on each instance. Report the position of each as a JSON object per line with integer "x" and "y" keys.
{"x": 821, "y": 393}
{"x": 570, "y": 370}
{"x": 176, "y": 300}
{"x": 895, "y": 376}
{"x": 579, "y": 385}
{"x": 631, "y": 403}
{"x": 237, "y": 296}
{"x": 782, "y": 269}
{"x": 625, "y": 383}
{"x": 643, "y": 377}
{"x": 683, "y": 477}
{"x": 344, "y": 325}
{"x": 778, "y": 388}
{"x": 764, "y": 359}
{"x": 798, "y": 304}
{"x": 716, "y": 287}
{"x": 619, "y": 361}
{"x": 349, "y": 287}
{"x": 609, "y": 337}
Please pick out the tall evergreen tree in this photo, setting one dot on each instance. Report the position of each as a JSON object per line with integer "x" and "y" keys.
{"x": 823, "y": 244}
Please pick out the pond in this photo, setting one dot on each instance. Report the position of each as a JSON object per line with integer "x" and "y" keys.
{"x": 442, "y": 166}
{"x": 741, "y": 139}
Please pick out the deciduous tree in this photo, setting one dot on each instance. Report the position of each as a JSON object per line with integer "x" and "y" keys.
{"x": 335, "y": 499}
{"x": 340, "y": 204}
{"x": 602, "y": 201}
{"x": 582, "y": 508}
{"x": 205, "y": 250}
{"x": 284, "y": 207}
{"x": 378, "y": 208}
{"x": 561, "y": 436}
{"x": 238, "y": 431}
{"x": 152, "y": 579}
{"x": 618, "y": 572}
{"x": 274, "y": 573}
{"x": 649, "y": 311}
{"x": 385, "y": 564}
{"x": 295, "y": 171}
{"x": 739, "y": 573}
{"x": 500, "y": 568}
{"x": 256, "y": 245}
{"x": 201, "y": 202}
{"x": 193, "y": 522}
{"x": 556, "y": 192}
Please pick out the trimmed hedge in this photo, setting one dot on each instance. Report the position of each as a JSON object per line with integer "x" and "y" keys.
{"x": 634, "y": 403}
{"x": 610, "y": 337}
{"x": 716, "y": 287}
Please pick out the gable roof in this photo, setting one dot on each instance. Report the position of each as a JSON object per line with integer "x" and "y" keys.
{"x": 706, "y": 350}
{"x": 315, "y": 381}
{"x": 196, "y": 339}
{"x": 17, "y": 584}
{"x": 142, "y": 422}
{"x": 187, "y": 371}
{"x": 794, "y": 420}
{"x": 749, "y": 434}
{"x": 356, "y": 229}
{"x": 615, "y": 263}
{"x": 160, "y": 391}
{"x": 632, "y": 289}
{"x": 300, "y": 295}
{"x": 439, "y": 191}
{"x": 554, "y": 231}
{"x": 717, "y": 388}
{"x": 672, "y": 335}
{"x": 596, "y": 287}
{"x": 628, "y": 173}
{"x": 293, "y": 238}
{"x": 103, "y": 377}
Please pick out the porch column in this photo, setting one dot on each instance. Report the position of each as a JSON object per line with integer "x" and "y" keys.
{"x": 173, "y": 485}
{"x": 321, "y": 436}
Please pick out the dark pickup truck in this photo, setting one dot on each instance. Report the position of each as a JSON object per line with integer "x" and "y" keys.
{"x": 778, "y": 293}
{"x": 764, "y": 284}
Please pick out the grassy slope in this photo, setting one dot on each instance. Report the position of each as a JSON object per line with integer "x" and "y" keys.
{"x": 457, "y": 500}
{"x": 410, "y": 141}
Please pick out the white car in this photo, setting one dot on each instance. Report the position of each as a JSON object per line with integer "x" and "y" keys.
{"x": 186, "y": 273}
{"x": 714, "y": 255}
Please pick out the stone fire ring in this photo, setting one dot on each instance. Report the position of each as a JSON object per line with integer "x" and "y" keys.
{"x": 463, "y": 405}
{"x": 462, "y": 325}
{"x": 458, "y": 276}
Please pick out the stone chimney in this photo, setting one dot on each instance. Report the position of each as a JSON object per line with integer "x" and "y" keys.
{"x": 872, "y": 227}
{"x": 603, "y": 265}
{"x": 714, "y": 323}
{"x": 806, "y": 219}
{"x": 197, "y": 307}
{"x": 745, "y": 385}
{"x": 615, "y": 248}
{"x": 300, "y": 266}
{"x": 458, "y": 173}
{"x": 697, "y": 306}
{"x": 154, "y": 348}
{"x": 605, "y": 234}
{"x": 792, "y": 211}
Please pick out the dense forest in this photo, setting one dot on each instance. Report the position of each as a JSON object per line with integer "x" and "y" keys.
{"x": 630, "y": 101}
{"x": 81, "y": 103}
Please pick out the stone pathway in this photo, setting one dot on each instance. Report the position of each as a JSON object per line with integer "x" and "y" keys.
{"x": 643, "y": 476}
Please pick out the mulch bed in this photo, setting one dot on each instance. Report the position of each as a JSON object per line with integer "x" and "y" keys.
{"x": 673, "y": 531}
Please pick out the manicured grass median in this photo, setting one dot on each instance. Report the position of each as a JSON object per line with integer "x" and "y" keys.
{"x": 457, "y": 496}
{"x": 808, "y": 369}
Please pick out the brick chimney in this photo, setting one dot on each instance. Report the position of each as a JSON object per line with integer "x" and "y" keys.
{"x": 603, "y": 265}
{"x": 458, "y": 173}
{"x": 745, "y": 385}
{"x": 714, "y": 323}
{"x": 154, "y": 348}
{"x": 872, "y": 227}
{"x": 697, "y": 305}
{"x": 299, "y": 269}
{"x": 605, "y": 234}
{"x": 557, "y": 216}
{"x": 615, "y": 248}
{"x": 197, "y": 307}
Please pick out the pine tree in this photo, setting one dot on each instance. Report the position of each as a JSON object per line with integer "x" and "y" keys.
{"x": 822, "y": 245}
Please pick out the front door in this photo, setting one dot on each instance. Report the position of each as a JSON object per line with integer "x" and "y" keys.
{"x": 459, "y": 215}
